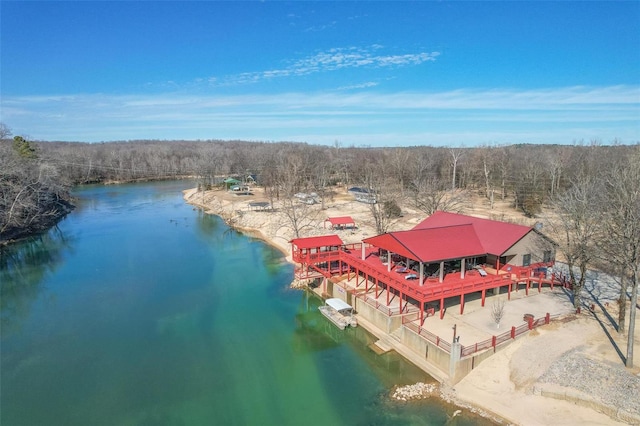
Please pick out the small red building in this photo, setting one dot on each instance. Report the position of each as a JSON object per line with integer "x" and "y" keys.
{"x": 341, "y": 222}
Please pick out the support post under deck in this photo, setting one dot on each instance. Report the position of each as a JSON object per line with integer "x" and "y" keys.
{"x": 376, "y": 286}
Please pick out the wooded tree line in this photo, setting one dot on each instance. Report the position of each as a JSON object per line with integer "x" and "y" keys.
{"x": 431, "y": 178}
{"x": 528, "y": 174}
{"x": 33, "y": 193}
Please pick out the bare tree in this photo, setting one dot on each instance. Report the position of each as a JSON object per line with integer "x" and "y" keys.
{"x": 383, "y": 198}
{"x": 320, "y": 175}
{"x": 292, "y": 178}
{"x": 432, "y": 194}
{"x": 556, "y": 164}
{"x": 502, "y": 164}
{"x": 456, "y": 154}
{"x": 5, "y": 131}
{"x": 399, "y": 160}
{"x": 575, "y": 223}
{"x": 481, "y": 169}
{"x": 32, "y": 194}
{"x": 299, "y": 216}
{"x": 486, "y": 155}
{"x": 527, "y": 174}
{"x": 620, "y": 240}
{"x": 497, "y": 311}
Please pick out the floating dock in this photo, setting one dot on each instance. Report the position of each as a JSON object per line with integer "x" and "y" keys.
{"x": 339, "y": 313}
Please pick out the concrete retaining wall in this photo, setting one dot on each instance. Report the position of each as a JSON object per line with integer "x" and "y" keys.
{"x": 377, "y": 318}
{"x": 446, "y": 366}
{"x": 464, "y": 366}
{"x": 433, "y": 354}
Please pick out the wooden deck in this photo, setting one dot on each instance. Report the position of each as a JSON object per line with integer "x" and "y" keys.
{"x": 376, "y": 276}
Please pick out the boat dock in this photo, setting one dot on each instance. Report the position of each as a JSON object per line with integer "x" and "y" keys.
{"x": 339, "y": 313}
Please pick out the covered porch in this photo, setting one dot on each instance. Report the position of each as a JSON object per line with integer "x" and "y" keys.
{"x": 342, "y": 222}
{"x": 429, "y": 255}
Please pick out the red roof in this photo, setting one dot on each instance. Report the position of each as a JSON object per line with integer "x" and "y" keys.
{"x": 342, "y": 220}
{"x": 315, "y": 242}
{"x": 496, "y": 237}
{"x": 432, "y": 244}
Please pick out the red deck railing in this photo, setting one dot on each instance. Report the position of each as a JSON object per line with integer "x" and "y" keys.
{"x": 377, "y": 305}
{"x": 496, "y": 341}
{"x": 429, "y": 291}
{"x": 410, "y": 322}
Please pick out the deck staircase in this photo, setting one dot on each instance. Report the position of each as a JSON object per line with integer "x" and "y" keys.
{"x": 386, "y": 343}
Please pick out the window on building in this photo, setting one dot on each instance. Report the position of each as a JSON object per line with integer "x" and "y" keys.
{"x": 546, "y": 256}
{"x": 526, "y": 260}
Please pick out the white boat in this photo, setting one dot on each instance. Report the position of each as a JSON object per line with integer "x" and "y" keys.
{"x": 339, "y": 312}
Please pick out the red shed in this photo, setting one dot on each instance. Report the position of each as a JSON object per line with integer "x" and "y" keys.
{"x": 341, "y": 222}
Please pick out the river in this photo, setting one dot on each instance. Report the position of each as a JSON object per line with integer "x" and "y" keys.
{"x": 140, "y": 310}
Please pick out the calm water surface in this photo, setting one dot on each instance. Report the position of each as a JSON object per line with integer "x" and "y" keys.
{"x": 141, "y": 310}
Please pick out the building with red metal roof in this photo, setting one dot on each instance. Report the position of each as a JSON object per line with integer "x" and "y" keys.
{"x": 431, "y": 244}
{"x": 453, "y": 240}
{"x": 496, "y": 237}
{"x": 341, "y": 222}
{"x": 432, "y": 261}
{"x": 301, "y": 247}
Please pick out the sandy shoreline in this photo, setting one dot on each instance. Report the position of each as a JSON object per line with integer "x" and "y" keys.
{"x": 507, "y": 387}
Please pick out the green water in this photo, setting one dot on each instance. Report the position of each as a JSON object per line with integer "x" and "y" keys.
{"x": 141, "y": 310}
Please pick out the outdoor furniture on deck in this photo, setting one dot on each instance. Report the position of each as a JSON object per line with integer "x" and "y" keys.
{"x": 402, "y": 270}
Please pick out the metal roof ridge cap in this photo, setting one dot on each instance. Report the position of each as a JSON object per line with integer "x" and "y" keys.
{"x": 442, "y": 227}
{"x": 408, "y": 249}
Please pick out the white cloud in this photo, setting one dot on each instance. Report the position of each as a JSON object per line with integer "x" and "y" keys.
{"x": 366, "y": 85}
{"x": 330, "y": 60}
{"x": 362, "y": 117}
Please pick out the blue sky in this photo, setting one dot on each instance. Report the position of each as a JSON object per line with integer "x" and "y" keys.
{"x": 360, "y": 73}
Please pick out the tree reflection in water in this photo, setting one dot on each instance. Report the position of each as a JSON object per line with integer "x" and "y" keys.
{"x": 23, "y": 268}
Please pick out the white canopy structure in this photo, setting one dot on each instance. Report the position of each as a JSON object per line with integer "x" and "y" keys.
{"x": 339, "y": 305}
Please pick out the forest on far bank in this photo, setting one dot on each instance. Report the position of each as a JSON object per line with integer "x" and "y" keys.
{"x": 37, "y": 175}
